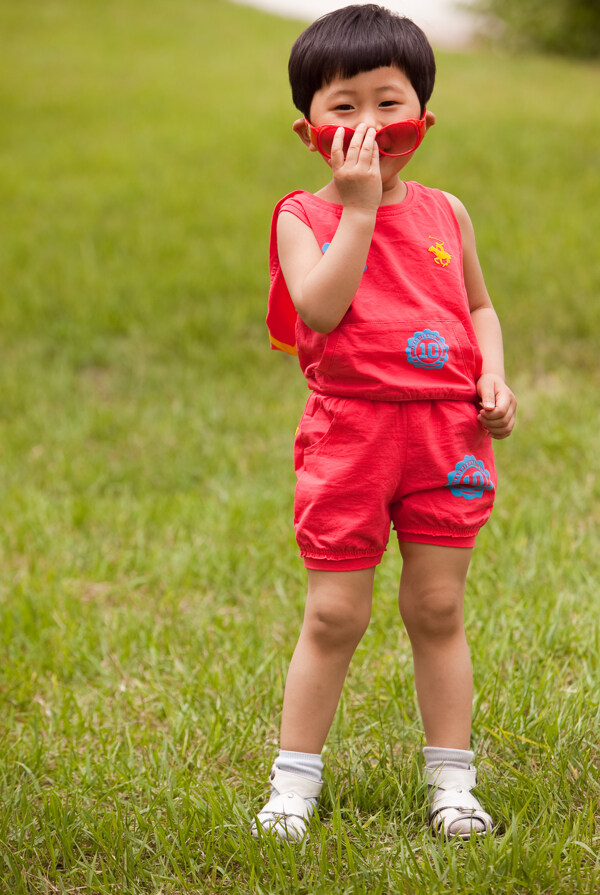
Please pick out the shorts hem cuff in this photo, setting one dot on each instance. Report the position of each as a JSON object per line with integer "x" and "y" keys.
{"x": 345, "y": 564}
{"x": 464, "y": 541}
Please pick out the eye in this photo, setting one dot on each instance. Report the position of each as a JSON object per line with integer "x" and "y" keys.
{"x": 388, "y": 102}
{"x": 344, "y": 107}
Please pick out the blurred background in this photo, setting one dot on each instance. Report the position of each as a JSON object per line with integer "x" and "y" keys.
{"x": 446, "y": 23}
{"x": 567, "y": 27}
{"x": 150, "y": 590}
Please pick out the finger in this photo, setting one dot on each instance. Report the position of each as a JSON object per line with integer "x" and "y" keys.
{"x": 498, "y": 428}
{"x": 376, "y": 153}
{"x": 500, "y": 431}
{"x": 493, "y": 415}
{"x": 497, "y": 414}
{"x": 337, "y": 148}
{"x": 505, "y": 408}
{"x": 504, "y": 432}
{"x": 356, "y": 142}
{"x": 369, "y": 145}
{"x": 374, "y": 161}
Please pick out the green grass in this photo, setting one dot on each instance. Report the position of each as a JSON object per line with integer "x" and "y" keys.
{"x": 150, "y": 593}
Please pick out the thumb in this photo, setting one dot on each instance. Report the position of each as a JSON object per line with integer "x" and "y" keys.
{"x": 487, "y": 393}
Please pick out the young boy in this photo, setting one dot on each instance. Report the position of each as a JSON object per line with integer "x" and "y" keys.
{"x": 377, "y": 287}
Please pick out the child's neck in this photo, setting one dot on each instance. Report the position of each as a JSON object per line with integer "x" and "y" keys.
{"x": 394, "y": 192}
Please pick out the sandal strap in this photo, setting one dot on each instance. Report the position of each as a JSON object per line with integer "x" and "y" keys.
{"x": 289, "y": 804}
{"x": 451, "y": 799}
{"x": 445, "y": 815}
{"x": 284, "y": 782}
{"x": 451, "y": 778}
{"x": 458, "y": 799}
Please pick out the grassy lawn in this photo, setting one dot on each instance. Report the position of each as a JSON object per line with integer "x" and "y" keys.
{"x": 150, "y": 590}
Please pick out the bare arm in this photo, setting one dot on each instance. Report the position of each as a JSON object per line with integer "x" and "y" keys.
{"x": 498, "y": 402}
{"x": 323, "y": 285}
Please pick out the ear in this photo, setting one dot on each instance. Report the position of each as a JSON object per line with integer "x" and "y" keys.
{"x": 299, "y": 127}
{"x": 429, "y": 120}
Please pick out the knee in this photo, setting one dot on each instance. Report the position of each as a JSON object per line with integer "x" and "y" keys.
{"x": 433, "y": 613}
{"x": 332, "y": 625}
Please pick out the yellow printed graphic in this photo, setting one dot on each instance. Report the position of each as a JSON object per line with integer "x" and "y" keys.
{"x": 442, "y": 257}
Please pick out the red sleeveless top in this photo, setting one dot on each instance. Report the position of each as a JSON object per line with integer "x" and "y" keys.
{"x": 408, "y": 333}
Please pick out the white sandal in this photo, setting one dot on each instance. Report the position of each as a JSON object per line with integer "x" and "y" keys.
{"x": 451, "y": 803}
{"x": 287, "y": 812}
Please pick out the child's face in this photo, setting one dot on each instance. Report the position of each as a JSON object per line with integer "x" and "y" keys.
{"x": 377, "y": 98}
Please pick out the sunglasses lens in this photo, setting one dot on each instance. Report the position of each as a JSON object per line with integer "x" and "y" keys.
{"x": 399, "y": 138}
{"x": 396, "y": 139}
{"x": 326, "y": 135}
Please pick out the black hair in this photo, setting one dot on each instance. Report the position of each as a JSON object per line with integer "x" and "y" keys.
{"x": 355, "y": 39}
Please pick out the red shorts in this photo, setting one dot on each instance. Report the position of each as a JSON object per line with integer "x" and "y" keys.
{"x": 425, "y": 466}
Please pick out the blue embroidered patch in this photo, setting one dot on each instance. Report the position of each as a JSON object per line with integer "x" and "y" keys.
{"x": 469, "y": 478}
{"x": 427, "y": 349}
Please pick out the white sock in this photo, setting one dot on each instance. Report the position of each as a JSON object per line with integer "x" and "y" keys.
{"x": 449, "y": 758}
{"x": 305, "y": 764}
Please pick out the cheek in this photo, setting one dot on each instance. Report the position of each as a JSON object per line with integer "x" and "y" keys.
{"x": 384, "y": 143}
{"x": 391, "y": 167}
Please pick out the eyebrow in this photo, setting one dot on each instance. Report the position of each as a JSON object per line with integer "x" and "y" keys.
{"x": 343, "y": 91}
{"x": 348, "y": 91}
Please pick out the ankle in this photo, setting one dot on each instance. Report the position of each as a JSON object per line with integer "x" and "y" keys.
{"x": 437, "y": 757}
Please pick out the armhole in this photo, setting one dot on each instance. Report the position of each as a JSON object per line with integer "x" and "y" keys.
{"x": 292, "y": 206}
{"x": 448, "y": 203}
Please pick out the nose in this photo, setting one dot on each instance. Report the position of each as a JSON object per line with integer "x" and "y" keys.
{"x": 370, "y": 121}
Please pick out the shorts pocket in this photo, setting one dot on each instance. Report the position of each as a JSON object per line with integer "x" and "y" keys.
{"x": 316, "y": 426}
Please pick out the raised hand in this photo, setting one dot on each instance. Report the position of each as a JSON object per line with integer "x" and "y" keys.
{"x": 356, "y": 175}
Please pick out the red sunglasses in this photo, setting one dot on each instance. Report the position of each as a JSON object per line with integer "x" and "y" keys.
{"x": 394, "y": 140}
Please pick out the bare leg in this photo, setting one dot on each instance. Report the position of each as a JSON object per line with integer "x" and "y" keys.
{"x": 431, "y": 603}
{"x": 338, "y": 610}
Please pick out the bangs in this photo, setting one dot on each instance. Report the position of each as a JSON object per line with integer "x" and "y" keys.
{"x": 352, "y": 62}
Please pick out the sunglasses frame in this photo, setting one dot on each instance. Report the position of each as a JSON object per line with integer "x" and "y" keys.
{"x": 315, "y": 134}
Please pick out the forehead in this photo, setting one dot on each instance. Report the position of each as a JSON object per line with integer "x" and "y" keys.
{"x": 388, "y": 77}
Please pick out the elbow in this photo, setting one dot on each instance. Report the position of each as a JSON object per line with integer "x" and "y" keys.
{"x": 318, "y": 326}
{"x": 318, "y": 322}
